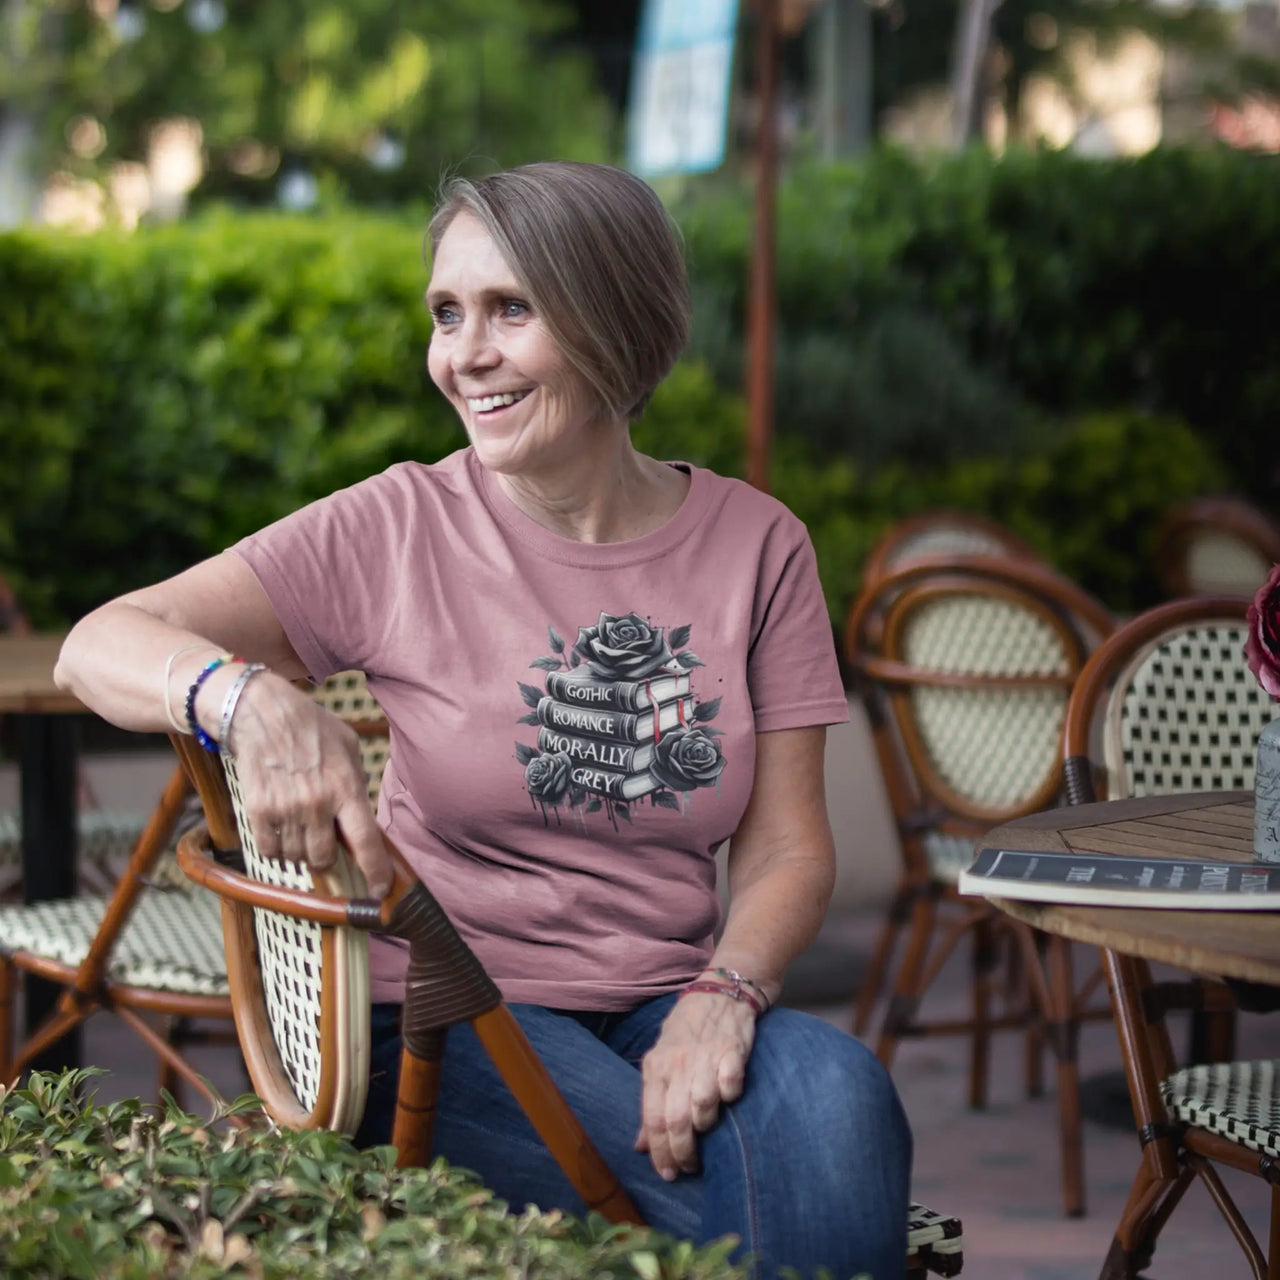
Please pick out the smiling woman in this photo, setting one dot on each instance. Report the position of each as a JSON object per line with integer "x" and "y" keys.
{"x": 687, "y": 676}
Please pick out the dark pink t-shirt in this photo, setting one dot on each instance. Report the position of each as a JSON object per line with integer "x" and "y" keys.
{"x": 572, "y": 724}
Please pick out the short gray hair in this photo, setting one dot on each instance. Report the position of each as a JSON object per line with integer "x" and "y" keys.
{"x": 601, "y": 261}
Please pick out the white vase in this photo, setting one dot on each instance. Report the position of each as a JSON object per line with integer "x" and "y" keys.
{"x": 1266, "y": 789}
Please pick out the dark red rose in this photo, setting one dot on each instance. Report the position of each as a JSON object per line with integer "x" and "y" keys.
{"x": 1262, "y": 647}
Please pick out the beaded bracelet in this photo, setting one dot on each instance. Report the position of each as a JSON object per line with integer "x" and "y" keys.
{"x": 192, "y": 723}
{"x": 739, "y": 981}
{"x": 250, "y": 670}
{"x": 718, "y": 988}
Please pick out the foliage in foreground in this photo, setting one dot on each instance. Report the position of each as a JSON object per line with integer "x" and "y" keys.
{"x": 128, "y": 1191}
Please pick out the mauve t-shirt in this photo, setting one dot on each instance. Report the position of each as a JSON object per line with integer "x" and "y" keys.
{"x": 572, "y": 724}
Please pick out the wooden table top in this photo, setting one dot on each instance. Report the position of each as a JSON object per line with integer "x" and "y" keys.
{"x": 26, "y": 677}
{"x": 1211, "y": 825}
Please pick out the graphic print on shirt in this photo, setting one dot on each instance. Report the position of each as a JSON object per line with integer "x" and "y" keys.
{"x": 618, "y": 721}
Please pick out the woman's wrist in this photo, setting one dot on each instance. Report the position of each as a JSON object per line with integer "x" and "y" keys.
{"x": 736, "y": 986}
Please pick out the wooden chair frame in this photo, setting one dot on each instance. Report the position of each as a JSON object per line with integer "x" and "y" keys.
{"x": 88, "y": 988}
{"x": 1172, "y": 1154}
{"x": 1230, "y": 516}
{"x": 930, "y": 911}
{"x": 893, "y": 552}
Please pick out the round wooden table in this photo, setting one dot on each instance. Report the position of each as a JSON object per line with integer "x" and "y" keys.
{"x": 1208, "y": 825}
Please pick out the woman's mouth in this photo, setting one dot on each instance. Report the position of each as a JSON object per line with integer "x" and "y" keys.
{"x": 487, "y": 404}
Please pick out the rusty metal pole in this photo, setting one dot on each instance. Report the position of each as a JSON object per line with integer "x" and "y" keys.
{"x": 762, "y": 300}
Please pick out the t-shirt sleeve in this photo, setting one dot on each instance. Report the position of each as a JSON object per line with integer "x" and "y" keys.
{"x": 317, "y": 567}
{"x": 791, "y": 667}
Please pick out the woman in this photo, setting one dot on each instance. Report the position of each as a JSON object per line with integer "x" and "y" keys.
{"x": 597, "y": 667}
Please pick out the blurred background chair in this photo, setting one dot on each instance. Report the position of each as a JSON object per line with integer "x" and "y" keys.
{"x": 152, "y": 948}
{"x": 965, "y": 665}
{"x": 105, "y": 838}
{"x": 1166, "y": 705}
{"x": 1216, "y": 546}
{"x": 931, "y": 534}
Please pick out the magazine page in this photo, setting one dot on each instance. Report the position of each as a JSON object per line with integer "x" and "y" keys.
{"x": 1112, "y": 880}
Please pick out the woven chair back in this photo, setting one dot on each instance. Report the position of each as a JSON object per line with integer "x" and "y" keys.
{"x": 974, "y": 659}
{"x": 347, "y": 695}
{"x": 314, "y": 982}
{"x": 1216, "y": 546}
{"x": 930, "y": 534}
{"x": 1175, "y": 704}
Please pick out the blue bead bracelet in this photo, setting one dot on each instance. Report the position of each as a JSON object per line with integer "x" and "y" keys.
{"x": 193, "y": 724}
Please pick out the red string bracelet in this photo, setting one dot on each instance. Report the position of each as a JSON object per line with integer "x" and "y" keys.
{"x": 734, "y": 993}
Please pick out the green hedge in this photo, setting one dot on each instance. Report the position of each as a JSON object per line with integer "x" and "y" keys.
{"x": 936, "y": 309}
{"x": 132, "y": 1192}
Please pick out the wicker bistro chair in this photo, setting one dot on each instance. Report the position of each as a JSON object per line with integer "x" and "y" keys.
{"x": 965, "y": 665}
{"x": 146, "y": 949}
{"x": 1216, "y": 546}
{"x": 1176, "y": 709}
{"x": 297, "y": 956}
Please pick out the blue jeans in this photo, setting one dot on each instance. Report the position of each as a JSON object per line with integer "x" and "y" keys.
{"x": 809, "y": 1168}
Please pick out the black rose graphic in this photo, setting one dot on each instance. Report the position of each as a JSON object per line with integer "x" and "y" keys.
{"x": 625, "y": 648}
{"x": 547, "y": 777}
{"x": 685, "y": 759}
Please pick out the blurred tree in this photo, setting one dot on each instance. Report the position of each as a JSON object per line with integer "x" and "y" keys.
{"x": 371, "y": 98}
{"x": 992, "y": 48}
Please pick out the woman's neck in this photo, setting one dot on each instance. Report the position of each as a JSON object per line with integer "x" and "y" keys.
{"x": 614, "y": 496}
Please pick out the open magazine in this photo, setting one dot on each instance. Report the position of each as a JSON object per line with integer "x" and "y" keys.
{"x": 1111, "y": 880}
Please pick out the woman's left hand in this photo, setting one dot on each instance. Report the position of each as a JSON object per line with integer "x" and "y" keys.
{"x": 698, "y": 1062}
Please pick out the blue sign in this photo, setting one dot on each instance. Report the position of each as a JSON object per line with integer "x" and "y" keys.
{"x": 680, "y": 86}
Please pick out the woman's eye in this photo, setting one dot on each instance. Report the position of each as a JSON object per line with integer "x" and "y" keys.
{"x": 513, "y": 309}
{"x": 444, "y": 314}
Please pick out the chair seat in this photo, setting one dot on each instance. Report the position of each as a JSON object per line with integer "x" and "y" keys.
{"x": 934, "y": 1240}
{"x": 106, "y": 838}
{"x": 948, "y": 855}
{"x": 172, "y": 942}
{"x": 1236, "y": 1099}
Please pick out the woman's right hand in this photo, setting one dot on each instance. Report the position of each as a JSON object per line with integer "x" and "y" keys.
{"x": 302, "y": 781}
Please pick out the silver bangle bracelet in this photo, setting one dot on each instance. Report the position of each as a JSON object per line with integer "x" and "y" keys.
{"x": 230, "y": 701}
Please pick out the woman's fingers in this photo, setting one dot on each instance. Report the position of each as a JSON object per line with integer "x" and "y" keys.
{"x": 697, "y": 1065}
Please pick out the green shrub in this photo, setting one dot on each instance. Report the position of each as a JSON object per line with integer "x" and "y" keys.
{"x": 133, "y": 1192}
{"x": 1040, "y": 279}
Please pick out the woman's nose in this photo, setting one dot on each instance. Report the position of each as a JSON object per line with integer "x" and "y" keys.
{"x": 473, "y": 346}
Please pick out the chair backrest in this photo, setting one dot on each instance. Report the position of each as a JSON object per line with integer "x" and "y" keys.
{"x": 1172, "y": 703}
{"x": 929, "y": 534}
{"x": 1216, "y": 546}
{"x": 347, "y": 695}
{"x": 299, "y": 984}
{"x": 966, "y": 664}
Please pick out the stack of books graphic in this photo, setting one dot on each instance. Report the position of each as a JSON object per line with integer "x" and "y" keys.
{"x": 610, "y": 729}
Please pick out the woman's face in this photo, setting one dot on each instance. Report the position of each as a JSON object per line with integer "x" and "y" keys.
{"x": 526, "y": 410}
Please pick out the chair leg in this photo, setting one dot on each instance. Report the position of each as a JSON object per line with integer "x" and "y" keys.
{"x": 532, "y": 1087}
{"x": 985, "y": 958}
{"x": 1151, "y": 1201}
{"x": 905, "y": 997}
{"x": 1064, "y": 1035}
{"x": 1273, "y": 1240}
{"x": 64, "y": 1019}
{"x": 873, "y": 980}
